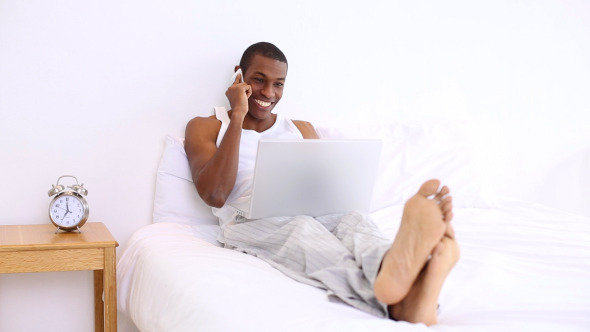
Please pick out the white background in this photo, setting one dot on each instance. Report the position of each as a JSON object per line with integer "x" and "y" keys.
{"x": 92, "y": 88}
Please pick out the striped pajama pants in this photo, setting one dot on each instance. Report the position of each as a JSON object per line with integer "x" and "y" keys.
{"x": 339, "y": 253}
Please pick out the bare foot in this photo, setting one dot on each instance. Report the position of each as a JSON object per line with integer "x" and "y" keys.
{"x": 420, "y": 306}
{"x": 424, "y": 222}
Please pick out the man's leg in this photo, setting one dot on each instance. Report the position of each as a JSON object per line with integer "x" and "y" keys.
{"x": 424, "y": 221}
{"x": 305, "y": 250}
{"x": 362, "y": 237}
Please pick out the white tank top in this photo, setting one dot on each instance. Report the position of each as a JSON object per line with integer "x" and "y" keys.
{"x": 283, "y": 128}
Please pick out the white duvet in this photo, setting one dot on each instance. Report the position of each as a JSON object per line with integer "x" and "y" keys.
{"x": 523, "y": 267}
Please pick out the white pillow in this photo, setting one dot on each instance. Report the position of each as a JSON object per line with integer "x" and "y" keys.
{"x": 414, "y": 153}
{"x": 176, "y": 199}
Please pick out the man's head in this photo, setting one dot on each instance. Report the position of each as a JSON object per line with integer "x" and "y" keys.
{"x": 264, "y": 68}
{"x": 265, "y": 49}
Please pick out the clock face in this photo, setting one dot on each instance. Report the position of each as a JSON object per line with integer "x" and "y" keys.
{"x": 68, "y": 210}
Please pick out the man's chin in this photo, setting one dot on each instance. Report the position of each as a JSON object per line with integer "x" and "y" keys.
{"x": 260, "y": 112}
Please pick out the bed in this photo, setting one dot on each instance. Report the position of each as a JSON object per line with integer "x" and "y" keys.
{"x": 523, "y": 266}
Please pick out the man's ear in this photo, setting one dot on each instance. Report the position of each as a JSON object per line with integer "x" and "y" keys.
{"x": 236, "y": 68}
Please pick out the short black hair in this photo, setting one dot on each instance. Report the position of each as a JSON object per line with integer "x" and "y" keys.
{"x": 265, "y": 49}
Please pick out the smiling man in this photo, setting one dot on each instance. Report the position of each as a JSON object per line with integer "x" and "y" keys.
{"x": 215, "y": 167}
{"x": 344, "y": 254}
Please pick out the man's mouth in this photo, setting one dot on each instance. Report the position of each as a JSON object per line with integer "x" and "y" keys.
{"x": 263, "y": 103}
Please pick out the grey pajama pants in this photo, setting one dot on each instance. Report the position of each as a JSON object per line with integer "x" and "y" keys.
{"x": 339, "y": 253}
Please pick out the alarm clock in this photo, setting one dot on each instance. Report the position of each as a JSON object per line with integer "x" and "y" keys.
{"x": 68, "y": 210}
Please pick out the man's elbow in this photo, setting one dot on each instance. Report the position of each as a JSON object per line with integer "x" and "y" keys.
{"x": 213, "y": 199}
{"x": 210, "y": 194}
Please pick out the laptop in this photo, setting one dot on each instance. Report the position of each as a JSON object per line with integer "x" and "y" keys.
{"x": 313, "y": 177}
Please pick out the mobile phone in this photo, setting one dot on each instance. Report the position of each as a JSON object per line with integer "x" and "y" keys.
{"x": 233, "y": 77}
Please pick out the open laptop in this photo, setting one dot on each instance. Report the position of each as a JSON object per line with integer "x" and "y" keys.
{"x": 312, "y": 177}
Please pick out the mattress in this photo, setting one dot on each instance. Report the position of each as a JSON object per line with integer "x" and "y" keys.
{"x": 523, "y": 266}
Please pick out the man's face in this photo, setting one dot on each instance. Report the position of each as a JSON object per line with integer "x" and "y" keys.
{"x": 267, "y": 77}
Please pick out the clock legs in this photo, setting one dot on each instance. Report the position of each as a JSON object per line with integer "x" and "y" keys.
{"x": 77, "y": 227}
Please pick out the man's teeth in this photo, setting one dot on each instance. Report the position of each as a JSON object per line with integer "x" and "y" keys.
{"x": 263, "y": 103}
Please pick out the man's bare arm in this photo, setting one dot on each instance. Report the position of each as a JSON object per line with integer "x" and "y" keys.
{"x": 214, "y": 170}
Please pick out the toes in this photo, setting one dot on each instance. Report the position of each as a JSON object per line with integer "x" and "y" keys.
{"x": 442, "y": 193}
{"x": 446, "y": 204}
{"x": 448, "y": 216}
{"x": 446, "y": 207}
{"x": 450, "y": 232}
{"x": 429, "y": 188}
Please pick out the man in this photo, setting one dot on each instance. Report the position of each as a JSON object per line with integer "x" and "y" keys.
{"x": 344, "y": 254}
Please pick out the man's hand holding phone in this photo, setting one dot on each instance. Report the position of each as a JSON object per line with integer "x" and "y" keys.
{"x": 238, "y": 94}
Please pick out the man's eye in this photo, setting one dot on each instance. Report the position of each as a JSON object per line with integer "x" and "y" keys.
{"x": 258, "y": 80}
{"x": 279, "y": 85}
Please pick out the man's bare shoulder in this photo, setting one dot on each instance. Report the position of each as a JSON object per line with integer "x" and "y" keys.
{"x": 306, "y": 129}
{"x": 203, "y": 123}
{"x": 203, "y": 120}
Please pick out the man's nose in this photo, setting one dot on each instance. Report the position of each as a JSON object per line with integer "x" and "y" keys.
{"x": 268, "y": 91}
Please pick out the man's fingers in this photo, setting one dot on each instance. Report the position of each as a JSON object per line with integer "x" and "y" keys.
{"x": 237, "y": 77}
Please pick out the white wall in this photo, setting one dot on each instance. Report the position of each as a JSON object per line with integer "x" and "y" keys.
{"x": 91, "y": 89}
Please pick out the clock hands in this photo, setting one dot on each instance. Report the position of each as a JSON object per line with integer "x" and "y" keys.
{"x": 67, "y": 210}
{"x": 59, "y": 207}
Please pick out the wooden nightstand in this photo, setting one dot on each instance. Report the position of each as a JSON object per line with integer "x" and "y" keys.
{"x": 36, "y": 248}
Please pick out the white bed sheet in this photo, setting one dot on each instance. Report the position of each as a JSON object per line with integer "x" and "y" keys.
{"x": 523, "y": 267}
